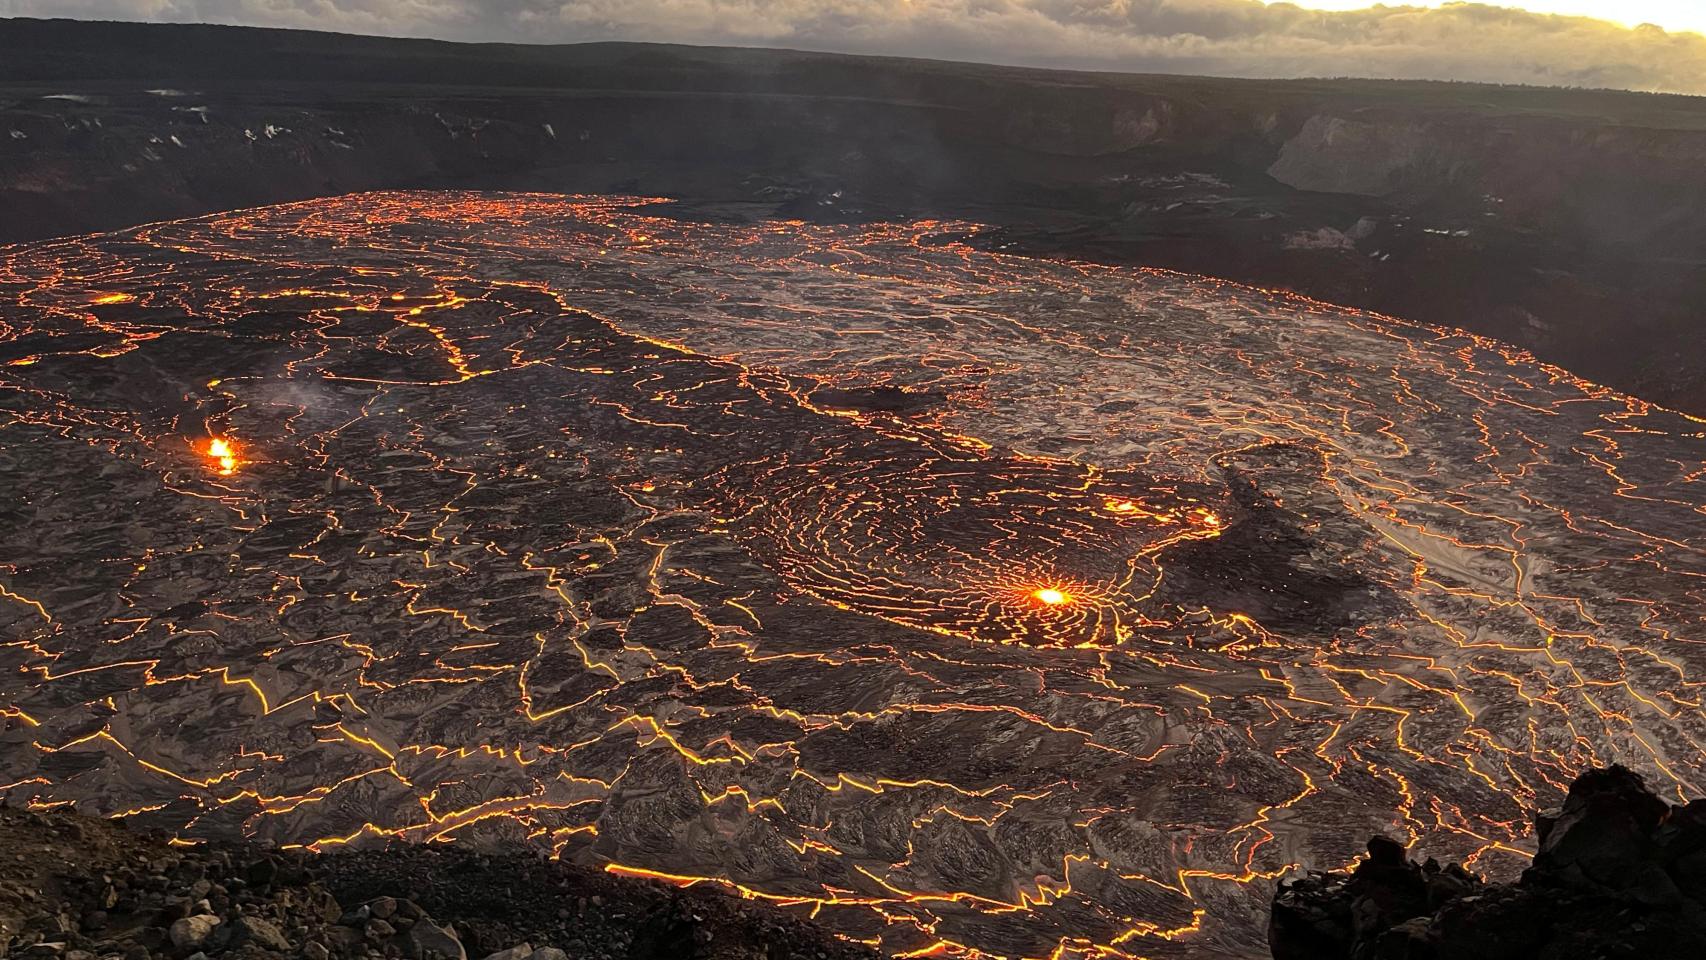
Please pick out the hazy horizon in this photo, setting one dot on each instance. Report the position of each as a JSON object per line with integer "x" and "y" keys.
{"x": 1235, "y": 38}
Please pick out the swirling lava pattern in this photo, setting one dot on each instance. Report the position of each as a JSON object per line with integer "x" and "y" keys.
{"x": 976, "y": 605}
{"x": 964, "y": 544}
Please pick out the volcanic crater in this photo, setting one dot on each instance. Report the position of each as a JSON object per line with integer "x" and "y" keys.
{"x": 960, "y": 600}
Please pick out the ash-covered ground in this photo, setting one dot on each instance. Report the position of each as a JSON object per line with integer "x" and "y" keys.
{"x": 1033, "y": 607}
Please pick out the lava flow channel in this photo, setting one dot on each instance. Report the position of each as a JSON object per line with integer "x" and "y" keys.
{"x": 974, "y": 604}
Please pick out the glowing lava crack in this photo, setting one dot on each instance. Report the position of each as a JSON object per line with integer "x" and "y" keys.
{"x": 967, "y": 602}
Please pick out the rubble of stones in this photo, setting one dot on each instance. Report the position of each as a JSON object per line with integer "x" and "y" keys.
{"x": 1619, "y": 873}
{"x": 78, "y": 888}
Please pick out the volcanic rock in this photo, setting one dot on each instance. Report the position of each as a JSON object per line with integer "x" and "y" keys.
{"x": 191, "y": 932}
{"x": 65, "y": 865}
{"x": 1618, "y": 875}
{"x": 426, "y": 940}
{"x": 259, "y": 932}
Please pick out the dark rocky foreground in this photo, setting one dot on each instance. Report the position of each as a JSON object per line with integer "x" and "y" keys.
{"x": 80, "y": 888}
{"x": 1620, "y": 873}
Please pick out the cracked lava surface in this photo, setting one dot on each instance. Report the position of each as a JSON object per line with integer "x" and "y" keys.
{"x": 969, "y": 602}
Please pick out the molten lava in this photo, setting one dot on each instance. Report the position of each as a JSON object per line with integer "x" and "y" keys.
{"x": 1051, "y": 597}
{"x": 223, "y": 454}
{"x": 1108, "y": 598}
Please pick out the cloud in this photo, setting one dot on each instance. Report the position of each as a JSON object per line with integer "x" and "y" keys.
{"x": 1466, "y": 41}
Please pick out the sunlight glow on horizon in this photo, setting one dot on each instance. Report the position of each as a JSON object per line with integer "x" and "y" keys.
{"x": 1670, "y": 14}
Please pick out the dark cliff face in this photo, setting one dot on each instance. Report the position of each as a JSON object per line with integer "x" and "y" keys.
{"x": 1567, "y": 222}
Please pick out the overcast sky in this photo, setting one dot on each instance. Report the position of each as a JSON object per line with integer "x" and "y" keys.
{"x": 1461, "y": 41}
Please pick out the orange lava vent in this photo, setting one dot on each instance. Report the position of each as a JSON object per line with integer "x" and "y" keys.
{"x": 1051, "y": 597}
{"x": 224, "y": 454}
